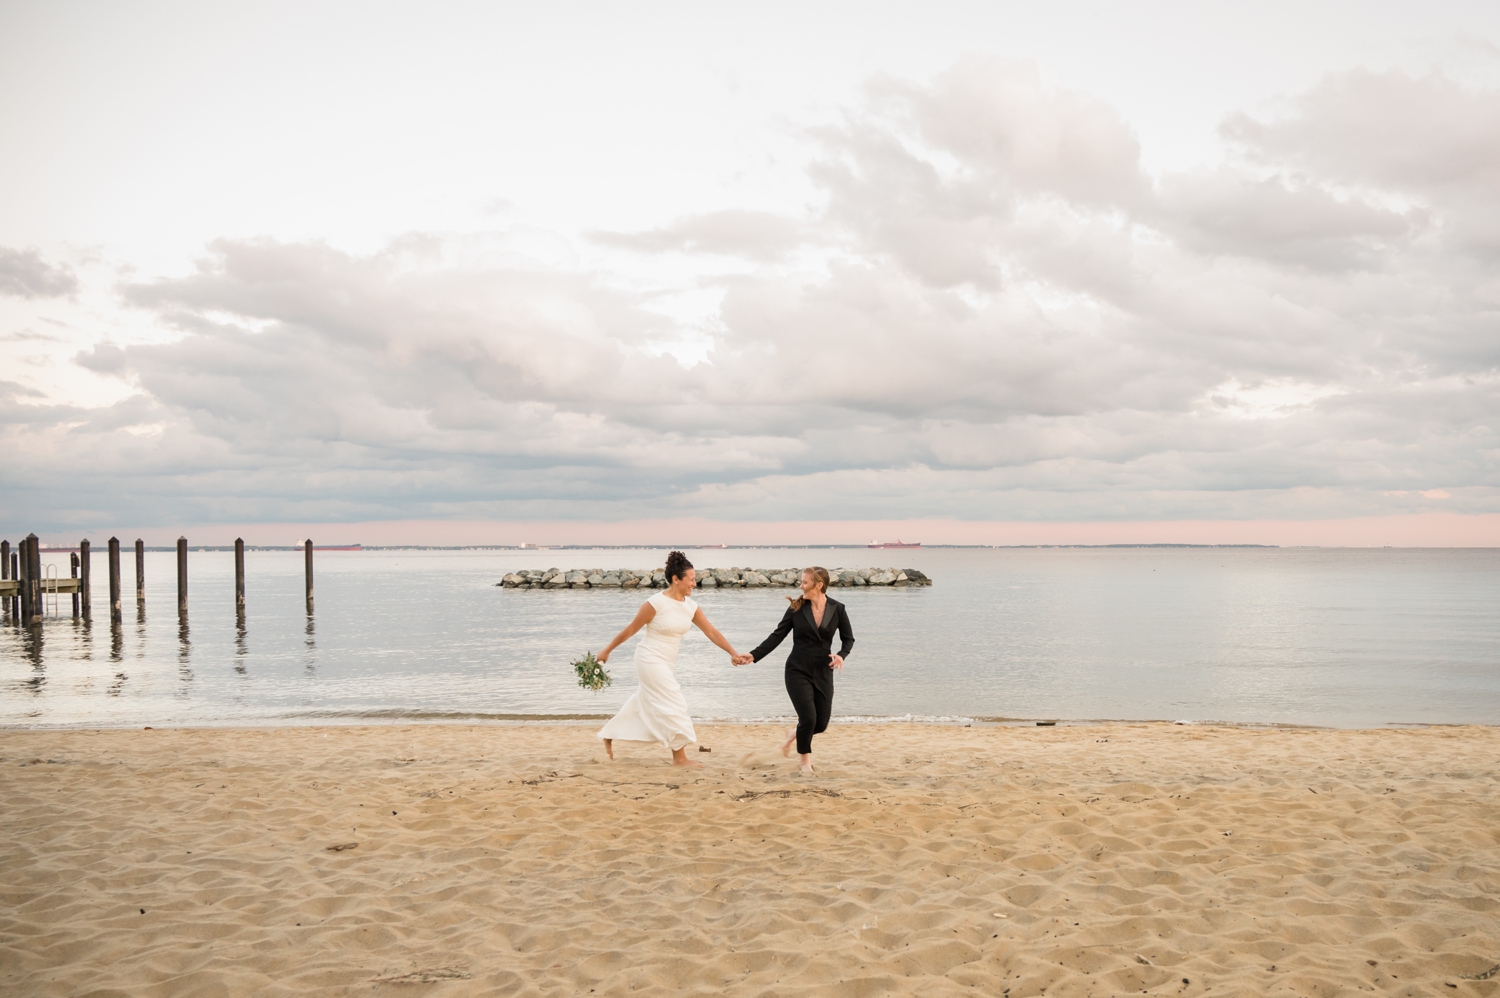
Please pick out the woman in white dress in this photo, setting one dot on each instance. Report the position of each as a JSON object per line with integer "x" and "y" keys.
{"x": 657, "y": 711}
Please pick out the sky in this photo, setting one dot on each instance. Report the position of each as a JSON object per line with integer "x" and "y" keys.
{"x": 704, "y": 273}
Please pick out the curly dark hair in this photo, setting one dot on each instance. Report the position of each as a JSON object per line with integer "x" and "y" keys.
{"x": 677, "y": 566}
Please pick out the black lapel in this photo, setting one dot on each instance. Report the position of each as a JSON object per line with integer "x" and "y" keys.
{"x": 817, "y": 628}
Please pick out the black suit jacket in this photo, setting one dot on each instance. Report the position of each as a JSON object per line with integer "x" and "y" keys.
{"x": 811, "y": 643}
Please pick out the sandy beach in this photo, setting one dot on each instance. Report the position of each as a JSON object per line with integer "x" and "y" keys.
{"x": 489, "y": 860}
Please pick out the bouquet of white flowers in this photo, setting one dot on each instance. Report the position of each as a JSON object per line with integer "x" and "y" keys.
{"x": 591, "y": 674}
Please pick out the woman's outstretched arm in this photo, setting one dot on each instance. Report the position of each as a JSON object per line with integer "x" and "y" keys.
{"x": 777, "y": 636}
{"x": 643, "y": 616}
{"x": 713, "y": 633}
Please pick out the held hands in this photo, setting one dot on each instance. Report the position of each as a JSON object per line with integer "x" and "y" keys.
{"x": 741, "y": 659}
{"x": 834, "y": 662}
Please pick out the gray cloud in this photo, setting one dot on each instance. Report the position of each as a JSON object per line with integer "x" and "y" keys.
{"x": 1010, "y": 320}
{"x": 756, "y": 235}
{"x": 30, "y": 336}
{"x": 10, "y": 390}
{"x": 24, "y": 274}
{"x": 1224, "y": 211}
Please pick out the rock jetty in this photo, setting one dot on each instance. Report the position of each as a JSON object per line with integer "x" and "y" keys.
{"x": 708, "y": 578}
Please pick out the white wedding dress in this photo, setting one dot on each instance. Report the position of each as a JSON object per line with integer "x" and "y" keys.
{"x": 657, "y": 711}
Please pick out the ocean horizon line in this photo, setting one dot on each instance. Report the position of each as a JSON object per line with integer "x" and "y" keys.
{"x": 355, "y": 548}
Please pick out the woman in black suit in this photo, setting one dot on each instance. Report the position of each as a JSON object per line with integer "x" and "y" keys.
{"x": 812, "y": 620}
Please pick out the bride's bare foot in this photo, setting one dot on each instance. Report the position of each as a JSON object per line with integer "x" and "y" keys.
{"x": 679, "y": 758}
{"x": 609, "y": 747}
{"x": 791, "y": 738}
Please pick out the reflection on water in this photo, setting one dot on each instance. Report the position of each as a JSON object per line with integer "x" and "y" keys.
{"x": 184, "y": 653}
{"x": 241, "y": 642}
{"x": 37, "y": 680}
{"x": 1307, "y": 636}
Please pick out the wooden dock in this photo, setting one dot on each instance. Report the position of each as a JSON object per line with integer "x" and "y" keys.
{"x": 29, "y": 593}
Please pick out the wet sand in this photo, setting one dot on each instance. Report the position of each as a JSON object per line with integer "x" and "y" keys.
{"x": 487, "y": 860}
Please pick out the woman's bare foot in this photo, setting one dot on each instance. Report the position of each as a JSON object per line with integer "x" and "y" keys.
{"x": 806, "y": 765}
{"x": 609, "y": 747}
{"x": 679, "y": 758}
{"x": 791, "y": 738}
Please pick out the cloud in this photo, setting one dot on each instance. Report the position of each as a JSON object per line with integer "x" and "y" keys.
{"x": 1427, "y": 140}
{"x": 10, "y": 390}
{"x": 1387, "y": 128}
{"x": 1223, "y": 211}
{"x": 103, "y": 358}
{"x": 755, "y": 235}
{"x": 1005, "y": 126}
{"x": 996, "y": 313}
{"x": 942, "y": 178}
{"x": 30, "y": 336}
{"x": 24, "y": 274}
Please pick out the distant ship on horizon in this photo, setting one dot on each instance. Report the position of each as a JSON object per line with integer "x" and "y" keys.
{"x": 893, "y": 544}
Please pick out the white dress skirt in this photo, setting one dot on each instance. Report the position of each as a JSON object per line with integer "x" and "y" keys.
{"x": 657, "y": 711}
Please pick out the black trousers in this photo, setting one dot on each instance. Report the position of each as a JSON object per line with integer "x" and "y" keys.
{"x": 814, "y": 704}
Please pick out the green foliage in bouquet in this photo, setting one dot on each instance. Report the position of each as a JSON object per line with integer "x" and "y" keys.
{"x": 591, "y": 674}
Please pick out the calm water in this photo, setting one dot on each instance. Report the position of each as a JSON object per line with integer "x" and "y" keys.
{"x": 1335, "y": 637}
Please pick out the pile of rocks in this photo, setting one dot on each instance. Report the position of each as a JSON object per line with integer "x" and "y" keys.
{"x": 708, "y": 578}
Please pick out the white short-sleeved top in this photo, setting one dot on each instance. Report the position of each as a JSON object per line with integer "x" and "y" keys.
{"x": 672, "y": 619}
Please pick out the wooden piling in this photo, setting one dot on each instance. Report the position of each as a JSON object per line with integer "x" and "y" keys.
{"x": 29, "y": 606}
{"x": 5, "y": 604}
{"x": 74, "y": 559}
{"x": 15, "y": 573}
{"x": 34, "y": 545}
{"x": 140, "y": 571}
{"x": 307, "y": 548}
{"x": 84, "y": 589}
{"x": 182, "y": 576}
{"x": 116, "y": 616}
{"x": 23, "y": 574}
{"x": 239, "y": 574}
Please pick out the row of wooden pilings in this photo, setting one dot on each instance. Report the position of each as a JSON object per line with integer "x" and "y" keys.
{"x": 24, "y": 587}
